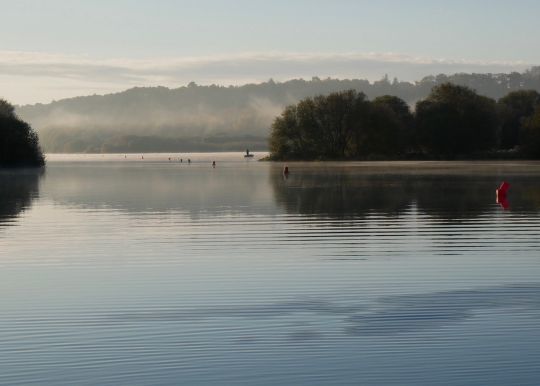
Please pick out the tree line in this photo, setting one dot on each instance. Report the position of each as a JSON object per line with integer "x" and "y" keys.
{"x": 452, "y": 122}
{"x": 214, "y": 118}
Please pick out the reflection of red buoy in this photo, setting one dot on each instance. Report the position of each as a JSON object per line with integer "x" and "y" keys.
{"x": 501, "y": 194}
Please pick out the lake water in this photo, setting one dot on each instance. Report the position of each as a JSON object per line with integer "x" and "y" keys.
{"x": 124, "y": 271}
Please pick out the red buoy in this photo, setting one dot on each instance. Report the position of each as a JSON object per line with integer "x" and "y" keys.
{"x": 503, "y": 189}
{"x": 501, "y": 193}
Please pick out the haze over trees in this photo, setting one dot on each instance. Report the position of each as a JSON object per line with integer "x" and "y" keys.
{"x": 211, "y": 118}
{"x": 451, "y": 122}
{"x": 19, "y": 143}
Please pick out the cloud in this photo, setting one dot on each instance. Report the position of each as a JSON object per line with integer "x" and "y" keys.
{"x": 60, "y": 75}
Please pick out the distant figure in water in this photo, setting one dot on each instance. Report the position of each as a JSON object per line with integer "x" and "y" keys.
{"x": 189, "y": 160}
{"x": 125, "y": 156}
{"x": 181, "y": 160}
{"x": 169, "y": 159}
{"x": 213, "y": 164}
{"x": 142, "y": 156}
{"x": 286, "y": 172}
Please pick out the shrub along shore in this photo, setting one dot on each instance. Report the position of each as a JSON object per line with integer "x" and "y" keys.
{"x": 19, "y": 143}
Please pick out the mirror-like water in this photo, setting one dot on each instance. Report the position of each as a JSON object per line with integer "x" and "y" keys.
{"x": 122, "y": 271}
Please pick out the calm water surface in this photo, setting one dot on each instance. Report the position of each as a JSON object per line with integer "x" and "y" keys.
{"x": 123, "y": 271}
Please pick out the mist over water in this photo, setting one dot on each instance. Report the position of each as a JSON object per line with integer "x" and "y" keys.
{"x": 123, "y": 270}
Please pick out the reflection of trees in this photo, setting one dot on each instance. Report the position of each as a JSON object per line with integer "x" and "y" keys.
{"x": 468, "y": 196}
{"x": 338, "y": 193}
{"x": 17, "y": 190}
{"x": 453, "y": 196}
{"x": 341, "y": 192}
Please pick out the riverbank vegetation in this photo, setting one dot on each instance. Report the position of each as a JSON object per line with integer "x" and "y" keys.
{"x": 19, "y": 143}
{"x": 452, "y": 122}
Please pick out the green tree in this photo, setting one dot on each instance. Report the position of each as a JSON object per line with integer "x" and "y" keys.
{"x": 380, "y": 128}
{"x": 337, "y": 116}
{"x": 320, "y": 127}
{"x": 19, "y": 144}
{"x": 393, "y": 122}
{"x": 455, "y": 120}
{"x": 514, "y": 109}
{"x": 285, "y": 139}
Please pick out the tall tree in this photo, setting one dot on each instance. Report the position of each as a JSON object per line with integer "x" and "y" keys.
{"x": 455, "y": 120}
{"x": 531, "y": 135}
{"x": 320, "y": 127}
{"x": 19, "y": 144}
{"x": 515, "y": 108}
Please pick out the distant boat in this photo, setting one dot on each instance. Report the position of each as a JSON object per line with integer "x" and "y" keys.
{"x": 247, "y": 155}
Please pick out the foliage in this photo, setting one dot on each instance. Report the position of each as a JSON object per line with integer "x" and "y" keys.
{"x": 531, "y": 134}
{"x": 455, "y": 120}
{"x": 19, "y": 143}
{"x": 515, "y": 108}
{"x": 390, "y": 127}
{"x": 321, "y": 127}
{"x": 452, "y": 122}
{"x": 341, "y": 125}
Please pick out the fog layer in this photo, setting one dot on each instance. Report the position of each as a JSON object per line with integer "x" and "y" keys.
{"x": 206, "y": 118}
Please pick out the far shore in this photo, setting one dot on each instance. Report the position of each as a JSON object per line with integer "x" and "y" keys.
{"x": 383, "y": 166}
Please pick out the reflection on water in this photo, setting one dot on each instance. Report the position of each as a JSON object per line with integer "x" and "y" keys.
{"x": 196, "y": 189}
{"x": 156, "y": 272}
{"x": 17, "y": 191}
{"x": 339, "y": 191}
{"x": 342, "y": 191}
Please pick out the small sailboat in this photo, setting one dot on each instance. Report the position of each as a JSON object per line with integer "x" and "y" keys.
{"x": 248, "y": 155}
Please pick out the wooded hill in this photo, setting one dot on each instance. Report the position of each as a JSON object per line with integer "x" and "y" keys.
{"x": 212, "y": 118}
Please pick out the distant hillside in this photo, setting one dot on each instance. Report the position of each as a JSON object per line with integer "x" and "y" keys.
{"x": 216, "y": 118}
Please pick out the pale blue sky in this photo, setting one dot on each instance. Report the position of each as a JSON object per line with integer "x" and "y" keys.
{"x": 114, "y": 33}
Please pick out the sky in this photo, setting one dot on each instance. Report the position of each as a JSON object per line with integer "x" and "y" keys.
{"x": 52, "y": 49}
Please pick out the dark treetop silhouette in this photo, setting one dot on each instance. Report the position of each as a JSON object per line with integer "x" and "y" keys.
{"x": 452, "y": 122}
{"x": 19, "y": 144}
